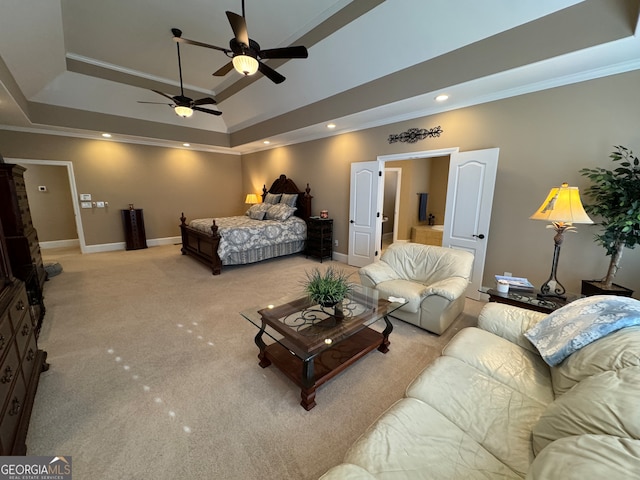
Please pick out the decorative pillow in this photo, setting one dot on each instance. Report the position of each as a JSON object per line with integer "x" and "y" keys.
{"x": 279, "y": 212}
{"x": 272, "y": 198}
{"x": 579, "y": 323}
{"x": 257, "y": 215}
{"x": 289, "y": 199}
{"x": 257, "y": 209}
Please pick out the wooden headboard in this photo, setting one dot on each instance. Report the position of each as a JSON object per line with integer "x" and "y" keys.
{"x": 286, "y": 185}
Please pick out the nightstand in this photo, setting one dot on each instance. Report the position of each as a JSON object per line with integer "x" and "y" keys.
{"x": 319, "y": 238}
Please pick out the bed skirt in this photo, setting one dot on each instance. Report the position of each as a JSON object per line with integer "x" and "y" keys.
{"x": 263, "y": 253}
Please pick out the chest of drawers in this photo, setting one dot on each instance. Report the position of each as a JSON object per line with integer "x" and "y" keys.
{"x": 21, "y": 363}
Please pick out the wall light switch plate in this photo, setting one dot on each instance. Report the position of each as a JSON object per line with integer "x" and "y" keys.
{"x": 100, "y": 204}
{"x": 85, "y": 196}
{"x": 85, "y": 204}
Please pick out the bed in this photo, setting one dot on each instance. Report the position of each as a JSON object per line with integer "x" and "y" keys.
{"x": 252, "y": 237}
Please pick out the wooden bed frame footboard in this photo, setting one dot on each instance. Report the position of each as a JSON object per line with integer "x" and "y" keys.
{"x": 201, "y": 246}
{"x": 204, "y": 247}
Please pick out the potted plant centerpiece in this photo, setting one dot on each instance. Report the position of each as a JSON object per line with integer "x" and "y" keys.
{"x": 329, "y": 288}
{"x": 615, "y": 197}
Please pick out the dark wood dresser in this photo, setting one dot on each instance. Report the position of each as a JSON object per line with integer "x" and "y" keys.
{"x": 23, "y": 247}
{"x": 21, "y": 362}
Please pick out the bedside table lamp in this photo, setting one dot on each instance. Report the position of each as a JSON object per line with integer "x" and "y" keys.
{"x": 562, "y": 208}
{"x": 251, "y": 199}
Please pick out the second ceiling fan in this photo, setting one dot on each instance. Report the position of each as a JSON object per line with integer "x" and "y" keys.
{"x": 245, "y": 53}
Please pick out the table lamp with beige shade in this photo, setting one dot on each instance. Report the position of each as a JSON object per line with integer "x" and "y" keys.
{"x": 562, "y": 208}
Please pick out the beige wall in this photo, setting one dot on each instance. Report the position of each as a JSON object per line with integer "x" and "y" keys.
{"x": 545, "y": 138}
{"x": 52, "y": 210}
{"x": 162, "y": 181}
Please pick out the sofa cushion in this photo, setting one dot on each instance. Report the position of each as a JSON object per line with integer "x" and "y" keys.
{"x": 496, "y": 416}
{"x": 426, "y": 263}
{"x": 604, "y": 404}
{"x": 580, "y": 323}
{"x": 412, "y": 440}
{"x": 412, "y": 292}
{"x": 505, "y": 362}
{"x": 615, "y": 351}
{"x": 509, "y": 323}
{"x": 587, "y": 457}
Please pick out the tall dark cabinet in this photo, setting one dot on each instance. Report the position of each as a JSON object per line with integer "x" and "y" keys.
{"x": 21, "y": 361}
{"x": 23, "y": 247}
{"x": 133, "y": 221}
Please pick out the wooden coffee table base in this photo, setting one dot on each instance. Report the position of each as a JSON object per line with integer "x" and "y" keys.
{"x": 311, "y": 374}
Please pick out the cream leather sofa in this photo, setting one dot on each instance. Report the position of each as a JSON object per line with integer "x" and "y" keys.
{"x": 431, "y": 279}
{"x": 491, "y": 408}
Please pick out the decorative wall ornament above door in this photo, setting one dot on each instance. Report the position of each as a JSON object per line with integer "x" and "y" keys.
{"x": 414, "y": 134}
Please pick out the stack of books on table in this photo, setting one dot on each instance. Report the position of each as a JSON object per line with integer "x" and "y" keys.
{"x": 517, "y": 283}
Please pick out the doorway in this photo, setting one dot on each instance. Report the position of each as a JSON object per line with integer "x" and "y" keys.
{"x": 471, "y": 181}
{"x": 72, "y": 186}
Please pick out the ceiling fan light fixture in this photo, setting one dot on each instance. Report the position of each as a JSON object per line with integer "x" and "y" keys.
{"x": 245, "y": 64}
{"x": 184, "y": 112}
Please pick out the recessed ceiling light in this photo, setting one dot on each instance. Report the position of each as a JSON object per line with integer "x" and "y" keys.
{"x": 331, "y": 125}
{"x": 106, "y": 135}
{"x": 442, "y": 97}
{"x": 186, "y": 144}
{"x": 266, "y": 142}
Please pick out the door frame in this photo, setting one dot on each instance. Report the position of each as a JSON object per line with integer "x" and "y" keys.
{"x": 396, "y": 201}
{"x": 382, "y": 159}
{"x": 72, "y": 185}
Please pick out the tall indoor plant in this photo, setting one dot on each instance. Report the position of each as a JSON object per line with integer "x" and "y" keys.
{"x": 615, "y": 198}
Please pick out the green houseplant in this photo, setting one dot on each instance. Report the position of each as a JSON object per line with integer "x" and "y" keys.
{"x": 328, "y": 288}
{"x": 615, "y": 198}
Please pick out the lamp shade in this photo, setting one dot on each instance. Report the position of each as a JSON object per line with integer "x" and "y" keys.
{"x": 562, "y": 205}
{"x": 185, "y": 112}
{"x": 245, "y": 64}
{"x": 251, "y": 198}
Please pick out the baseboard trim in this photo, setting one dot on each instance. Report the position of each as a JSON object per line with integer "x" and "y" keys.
{"x": 72, "y": 242}
{"x": 111, "y": 247}
{"x": 340, "y": 257}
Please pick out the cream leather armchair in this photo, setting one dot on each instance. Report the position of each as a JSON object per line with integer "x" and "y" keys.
{"x": 431, "y": 279}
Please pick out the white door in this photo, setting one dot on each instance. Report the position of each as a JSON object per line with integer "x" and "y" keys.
{"x": 472, "y": 177}
{"x": 364, "y": 215}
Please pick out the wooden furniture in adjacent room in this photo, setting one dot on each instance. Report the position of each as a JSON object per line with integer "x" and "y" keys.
{"x": 530, "y": 300}
{"x": 310, "y": 345}
{"x": 21, "y": 238}
{"x": 133, "y": 221}
{"x": 203, "y": 246}
{"x": 21, "y": 362}
{"x": 427, "y": 235}
{"x": 319, "y": 238}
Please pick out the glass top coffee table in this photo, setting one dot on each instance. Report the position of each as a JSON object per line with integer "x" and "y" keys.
{"x": 311, "y": 344}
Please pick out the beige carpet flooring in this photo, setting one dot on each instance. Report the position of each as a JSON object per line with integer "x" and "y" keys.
{"x": 154, "y": 374}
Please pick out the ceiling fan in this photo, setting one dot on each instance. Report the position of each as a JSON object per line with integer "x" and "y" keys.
{"x": 245, "y": 53}
{"x": 182, "y": 105}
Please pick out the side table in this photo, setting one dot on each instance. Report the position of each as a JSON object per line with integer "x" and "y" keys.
{"x": 529, "y": 300}
{"x": 319, "y": 238}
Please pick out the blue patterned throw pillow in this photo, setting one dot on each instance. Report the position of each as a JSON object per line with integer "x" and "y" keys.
{"x": 579, "y": 323}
